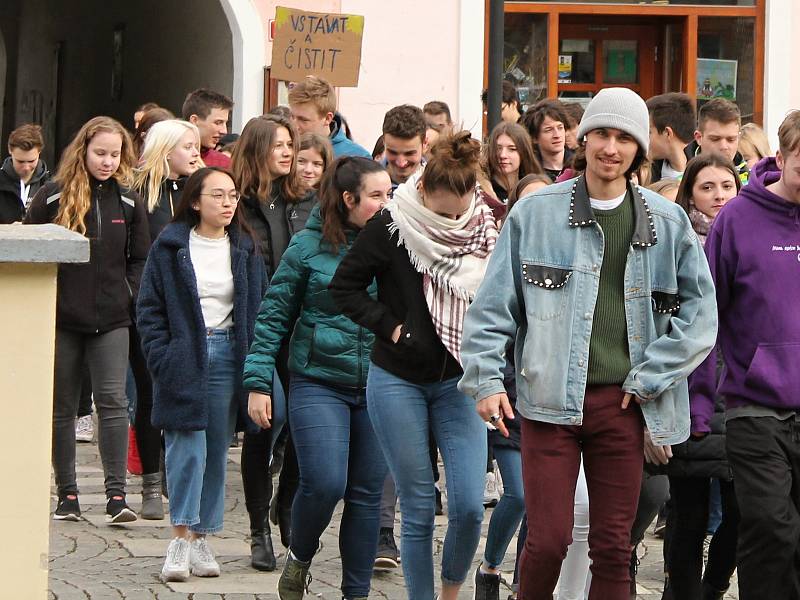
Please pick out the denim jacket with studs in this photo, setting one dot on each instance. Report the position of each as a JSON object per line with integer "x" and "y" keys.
{"x": 540, "y": 291}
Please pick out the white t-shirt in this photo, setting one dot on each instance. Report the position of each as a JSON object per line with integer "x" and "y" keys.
{"x": 667, "y": 172}
{"x": 24, "y": 191}
{"x": 607, "y": 204}
{"x": 211, "y": 259}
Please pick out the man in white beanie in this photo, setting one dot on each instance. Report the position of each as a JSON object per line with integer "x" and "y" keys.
{"x": 604, "y": 291}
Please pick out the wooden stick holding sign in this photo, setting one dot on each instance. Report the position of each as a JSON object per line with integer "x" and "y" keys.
{"x": 324, "y": 44}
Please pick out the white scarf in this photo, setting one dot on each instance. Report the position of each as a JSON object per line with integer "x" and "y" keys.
{"x": 451, "y": 254}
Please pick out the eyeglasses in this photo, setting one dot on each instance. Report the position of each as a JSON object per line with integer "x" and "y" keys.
{"x": 234, "y": 197}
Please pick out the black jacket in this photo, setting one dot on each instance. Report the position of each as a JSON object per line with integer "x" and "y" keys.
{"x": 274, "y": 222}
{"x": 168, "y": 200}
{"x": 96, "y": 297}
{"x": 419, "y": 356}
{"x": 11, "y": 207}
{"x": 554, "y": 174}
{"x": 171, "y": 326}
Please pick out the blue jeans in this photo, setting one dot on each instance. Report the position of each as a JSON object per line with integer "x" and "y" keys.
{"x": 196, "y": 460}
{"x": 339, "y": 457}
{"x": 402, "y": 414}
{"x": 507, "y": 515}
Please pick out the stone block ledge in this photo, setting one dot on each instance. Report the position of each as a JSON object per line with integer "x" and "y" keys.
{"x": 42, "y": 244}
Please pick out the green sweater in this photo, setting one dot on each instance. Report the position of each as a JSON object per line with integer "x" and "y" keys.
{"x": 609, "y": 359}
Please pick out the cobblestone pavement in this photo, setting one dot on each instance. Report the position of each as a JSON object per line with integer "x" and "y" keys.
{"x": 92, "y": 560}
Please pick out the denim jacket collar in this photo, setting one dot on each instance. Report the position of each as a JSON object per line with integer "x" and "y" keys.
{"x": 581, "y": 214}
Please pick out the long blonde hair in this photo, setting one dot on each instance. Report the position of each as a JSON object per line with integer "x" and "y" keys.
{"x": 153, "y": 169}
{"x": 74, "y": 179}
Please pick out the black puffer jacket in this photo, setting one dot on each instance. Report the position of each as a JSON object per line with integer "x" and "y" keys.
{"x": 275, "y": 221}
{"x": 705, "y": 456}
{"x": 11, "y": 207}
{"x": 97, "y": 296}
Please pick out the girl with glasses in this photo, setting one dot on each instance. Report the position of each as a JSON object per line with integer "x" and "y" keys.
{"x": 201, "y": 289}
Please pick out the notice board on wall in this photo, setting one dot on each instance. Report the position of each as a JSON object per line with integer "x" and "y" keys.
{"x": 327, "y": 45}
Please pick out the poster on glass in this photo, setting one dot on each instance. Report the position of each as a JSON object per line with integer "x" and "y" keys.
{"x": 716, "y": 78}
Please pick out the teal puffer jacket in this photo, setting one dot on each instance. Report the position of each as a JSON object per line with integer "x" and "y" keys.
{"x": 325, "y": 345}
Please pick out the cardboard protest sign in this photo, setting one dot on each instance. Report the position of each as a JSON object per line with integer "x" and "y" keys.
{"x": 324, "y": 44}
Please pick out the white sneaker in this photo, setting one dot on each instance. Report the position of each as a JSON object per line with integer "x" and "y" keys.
{"x": 84, "y": 429}
{"x": 202, "y": 559}
{"x": 176, "y": 565}
{"x": 490, "y": 494}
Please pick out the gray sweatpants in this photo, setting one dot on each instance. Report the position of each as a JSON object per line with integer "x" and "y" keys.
{"x": 107, "y": 357}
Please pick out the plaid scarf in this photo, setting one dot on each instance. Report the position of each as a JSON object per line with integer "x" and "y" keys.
{"x": 700, "y": 223}
{"x": 451, "y": 255}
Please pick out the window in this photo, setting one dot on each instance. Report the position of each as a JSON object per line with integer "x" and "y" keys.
{"x": 726, "y": 61}
{"x": 525, "y": 56}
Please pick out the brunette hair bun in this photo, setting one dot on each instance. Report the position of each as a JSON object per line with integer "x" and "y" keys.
{"x": 454, "y": 163}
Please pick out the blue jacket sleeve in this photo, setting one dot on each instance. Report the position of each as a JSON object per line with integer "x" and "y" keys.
{"x": 279, "y": 309}
{"x": 693, "y": 329}
{"x": 493, "y": 318}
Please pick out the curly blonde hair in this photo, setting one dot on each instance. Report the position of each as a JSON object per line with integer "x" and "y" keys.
{"x": 74, "y": 179}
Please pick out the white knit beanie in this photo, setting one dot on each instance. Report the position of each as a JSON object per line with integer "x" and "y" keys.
{"x": 618, "y": 108}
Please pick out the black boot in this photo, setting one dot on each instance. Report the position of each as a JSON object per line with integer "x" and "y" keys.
{"x": 633, "y": 570}
{"x": 262, "y": 556}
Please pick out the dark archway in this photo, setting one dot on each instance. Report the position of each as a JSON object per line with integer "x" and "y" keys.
{"x": 88, "y": 57}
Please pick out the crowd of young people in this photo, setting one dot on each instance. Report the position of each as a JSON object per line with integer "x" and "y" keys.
{"x": 366, "y": 305}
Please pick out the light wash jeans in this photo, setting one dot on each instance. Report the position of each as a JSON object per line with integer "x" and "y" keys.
{"x": 402, "y": 414}
{"x": 196, "y": 460}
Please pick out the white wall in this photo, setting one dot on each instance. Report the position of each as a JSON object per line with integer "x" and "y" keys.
{"x": 781, "y": 83}
{"x": 409, "y": 56}
{"x": 470, "y": 72}
{"x": 248, "y": 33}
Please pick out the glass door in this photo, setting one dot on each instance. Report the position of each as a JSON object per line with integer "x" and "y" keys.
{"x": 592, "y": 57}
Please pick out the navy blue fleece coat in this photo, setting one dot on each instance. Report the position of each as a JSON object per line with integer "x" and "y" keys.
{"x": 173, "y": 333}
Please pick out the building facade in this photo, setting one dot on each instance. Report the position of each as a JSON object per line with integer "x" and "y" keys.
{"x": 63, "y": 62}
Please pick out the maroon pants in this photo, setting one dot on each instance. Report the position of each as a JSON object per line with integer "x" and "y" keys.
{"x": 611, "y": 441}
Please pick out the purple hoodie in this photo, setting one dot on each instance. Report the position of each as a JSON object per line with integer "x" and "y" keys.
{"x": 753, "y": 249}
